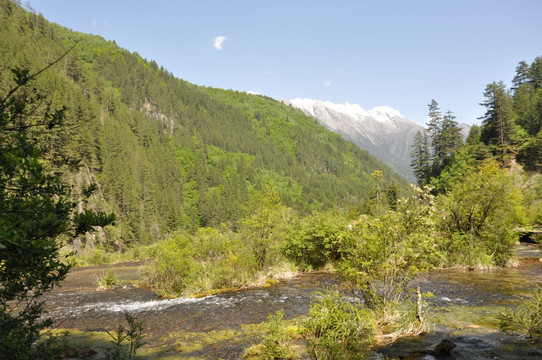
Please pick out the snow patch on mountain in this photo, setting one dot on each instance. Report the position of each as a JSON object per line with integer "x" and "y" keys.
{"x": 382, "y": 131}
{"x": 381, "y": 114}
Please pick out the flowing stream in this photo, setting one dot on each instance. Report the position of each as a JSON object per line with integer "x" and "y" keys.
{"x": 463, "y": 309}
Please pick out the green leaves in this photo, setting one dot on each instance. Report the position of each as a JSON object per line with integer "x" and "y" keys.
{"x": 317, "y": 239}
{"x": 87, "y": 220}
{"x": 525, "y": 318}
{"x": 265, "y": 228}
{"x": 126, "y": 341}
{"x": 22, "y": 76}
{"x": 384, "y": 253}
{"x": 479, "y": 219}
{"x": 35, "y": 212}
{"x": 337, "y": 328}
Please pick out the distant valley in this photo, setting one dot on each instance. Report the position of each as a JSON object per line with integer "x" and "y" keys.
{"x": 383, "y": 131}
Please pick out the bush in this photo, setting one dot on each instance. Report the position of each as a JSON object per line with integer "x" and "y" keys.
{"x": 338, "y": 329}
{"x": 109, "y": 280}
{"x": 265, "y": 229}
{"x": 316, "y": 240}
{"x": 191, "y": 264}
{"x": 480, "y": 212}
{"x": 174, "y": 269}
{"x": 276, "y": 340}
{"x": 383, "y": 254}
{"x": 526, "y": 318}
{"x": 94, "y": 257}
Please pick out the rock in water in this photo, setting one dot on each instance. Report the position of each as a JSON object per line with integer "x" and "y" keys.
{"x": 444, "y": 348}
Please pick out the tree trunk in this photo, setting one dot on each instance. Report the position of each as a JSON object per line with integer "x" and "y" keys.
{"x": 419, "y": 305}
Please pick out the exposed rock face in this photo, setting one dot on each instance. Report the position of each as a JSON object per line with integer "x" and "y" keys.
{"x": 382, "y": 131}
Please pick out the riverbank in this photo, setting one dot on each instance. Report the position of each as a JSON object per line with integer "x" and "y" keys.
{"x": 463, "y": 309}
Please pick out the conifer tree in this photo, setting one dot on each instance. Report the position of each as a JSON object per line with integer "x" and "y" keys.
{"x": 527, "y": 103}
{"x": 36, "y": 211}
{"x": 434, "y": 127}
{"x": 498, "y": 123}
{"x": 452, "y": 138}
{"x": 421, "y": 162}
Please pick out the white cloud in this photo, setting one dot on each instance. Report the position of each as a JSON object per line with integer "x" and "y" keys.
{"x": 93, "y": 22}
{"x": 268, "y": 72}
{"x": 328, "y": 83}
{"x": 218, "y": 41}
{"x": 253, "y": 92}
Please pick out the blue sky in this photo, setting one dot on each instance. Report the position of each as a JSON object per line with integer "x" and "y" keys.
{"x": 400, "y": 53}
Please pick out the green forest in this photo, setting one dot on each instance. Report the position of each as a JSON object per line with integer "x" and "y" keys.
{"x": 167, "y": 155}
{"x": 106, "y": 156}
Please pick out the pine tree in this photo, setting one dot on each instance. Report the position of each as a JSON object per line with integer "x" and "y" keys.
{"x": 522, "y": 75}
{"x": 527, "y": 102}
{"x": 434, "y": 127}
{"x": 452, "y": 139}
{"x": 498, "y": 123}
{"x": 421, "y": 162}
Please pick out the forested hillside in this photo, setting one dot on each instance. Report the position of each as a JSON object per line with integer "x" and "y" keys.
{"x": 169, "y": 155}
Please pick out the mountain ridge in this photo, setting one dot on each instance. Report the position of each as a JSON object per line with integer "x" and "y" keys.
{"x": 382, "y": 131}
{"x": 168, "y": 155}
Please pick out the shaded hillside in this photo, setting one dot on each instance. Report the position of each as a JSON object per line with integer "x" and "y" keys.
{"x": 167, "y": 154}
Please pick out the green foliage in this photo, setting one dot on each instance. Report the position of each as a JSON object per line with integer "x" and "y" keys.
{"x": 479, "y": 216}
{"x": 211, "y": 259}
{"x": 384, "y": 253}
{"x": 219, "y": 258}
{"x": 526, "y": 318}
{"x": 276, "y": 341}
{"x": 337, "y": 328}
{"x": 383, "y": 197}
{"x": 94, "y": 257}
{"x": 174, "y": 267}
{"x": 168, "y": 155}
{"x": 109, "y": 280}
{"x": 498, "y": 130}
{"x": 404, "y": 320}
{"x": 511, "y": 129}
{"x": 316, "y": 239}
{"x": 421, "y": 158}
{"x": 446, "y": 138}
{"x": 36, "y": 212}
{"x": 264, "y": 230}
{"x": 527, "y": 103}
{"x": 126, "y": 341}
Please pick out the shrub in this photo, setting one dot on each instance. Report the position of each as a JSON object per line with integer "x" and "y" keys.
{"x": 109, "y": 280}
{"x": 383, "y": 254}
{"x": 480, "y": 212}
{"x": 336, "y": 328}
{"x": 276, "y": 340}
{"x": 174, "y": 268}
{"x": 526, "y": 318}
{"x": 264, "y": 230}
{"x": 316, "y": 240}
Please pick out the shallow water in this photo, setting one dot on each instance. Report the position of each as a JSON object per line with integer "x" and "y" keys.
{"x": 463, "y": 308}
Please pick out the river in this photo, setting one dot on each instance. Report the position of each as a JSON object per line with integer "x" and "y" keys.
{"x": 463, "y": 309}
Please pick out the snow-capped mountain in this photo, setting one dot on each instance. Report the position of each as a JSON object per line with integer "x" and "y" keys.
{"x": 382, "y": 131}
